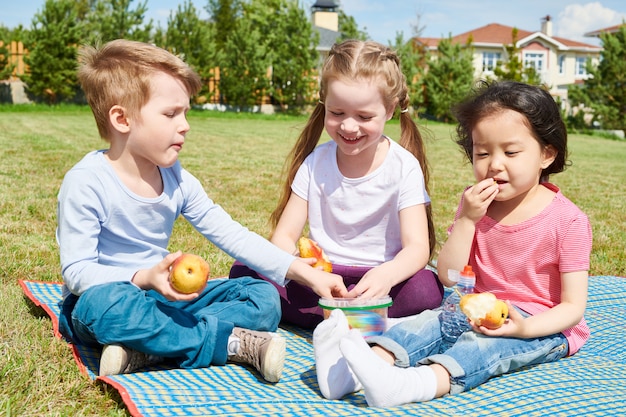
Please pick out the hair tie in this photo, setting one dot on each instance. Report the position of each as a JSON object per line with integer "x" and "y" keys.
{"x": 404, "y": 110}
{"x": 320, "y": 101}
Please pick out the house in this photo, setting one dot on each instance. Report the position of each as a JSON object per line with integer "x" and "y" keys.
{"x": 560, "y": 62}
{"x": 325, "y": 20}
{"x": 610, "y": 29}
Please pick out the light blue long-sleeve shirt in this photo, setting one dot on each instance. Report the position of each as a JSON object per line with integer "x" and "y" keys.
{"x": 107, "y": 233}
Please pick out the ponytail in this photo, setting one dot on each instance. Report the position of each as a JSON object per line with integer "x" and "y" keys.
{"x": 411, "y": 140}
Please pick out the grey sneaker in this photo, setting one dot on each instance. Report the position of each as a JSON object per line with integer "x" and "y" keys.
{"x": 117, "y": 359}
{"x": 263, "y": 350}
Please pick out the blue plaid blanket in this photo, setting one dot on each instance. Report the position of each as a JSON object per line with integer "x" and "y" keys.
{"x": 590, "y": 383}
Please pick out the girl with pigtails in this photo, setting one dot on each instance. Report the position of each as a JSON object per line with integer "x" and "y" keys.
{"x": 364, "y": 196}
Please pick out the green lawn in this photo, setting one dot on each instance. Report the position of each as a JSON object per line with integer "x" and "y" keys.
{"x": 239, "y": 160}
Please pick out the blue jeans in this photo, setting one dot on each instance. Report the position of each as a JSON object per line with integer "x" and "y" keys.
{"x": 474, "y": 358}
{"x": 193, "y": 334}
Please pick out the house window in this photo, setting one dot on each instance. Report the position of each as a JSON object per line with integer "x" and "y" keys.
{"x": 561, "y": 64}
{"x": 581, "y": 66}
{"x": 490, "y": 61}
{"x": 534, "y": 60}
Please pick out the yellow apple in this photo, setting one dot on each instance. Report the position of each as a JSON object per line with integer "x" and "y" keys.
{"x": 484, "y": 309}
{"x": 310, "y": 249}
{"x": 189, "y": 273}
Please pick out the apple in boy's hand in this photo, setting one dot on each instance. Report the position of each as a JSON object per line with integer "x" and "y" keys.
{"x": 310, "y": 249}
{"x": 189, "y": 273}
{"x": 484, "y": 309}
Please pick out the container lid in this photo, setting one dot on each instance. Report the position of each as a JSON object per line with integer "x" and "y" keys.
{"x": 354, "y": 303}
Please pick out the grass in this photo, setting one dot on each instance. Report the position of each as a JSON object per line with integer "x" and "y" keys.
{"x": 239, "y": 159}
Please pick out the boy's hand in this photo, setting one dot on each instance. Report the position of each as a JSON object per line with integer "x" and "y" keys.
{"x": 324, "y": 284}
{"x": 310, "y": 261}
{"x": 477, "y": 199}
{"x": 328, "y": 285}
{"x": 157, "y": 278}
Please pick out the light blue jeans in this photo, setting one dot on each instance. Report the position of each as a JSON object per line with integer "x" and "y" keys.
{"x": 193, "y": 334}
{"x": 474, "y": 358}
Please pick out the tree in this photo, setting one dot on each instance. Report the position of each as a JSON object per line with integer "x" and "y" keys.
{"x": 52, "y": 45}
{"x": 449, "y": 78}
{"x": 5, "y": 68}
{"x": 224, "y": 15}
{"x": 270, "y": 51}
{"x": 18, "y": 33}
{"x": 605, "y": 89}
{"x": 349, "y": 28}
{"x": 243, "y": 63}
{"x": 107, "y": 20}
{"x": 289, "y": 40}
{"x": 413, "y": 60}
{"x": 243, "y": 70}
{"x": 294, "y": 59}
{"x": 194, "y": 41}
{"x": 513, "y": 68}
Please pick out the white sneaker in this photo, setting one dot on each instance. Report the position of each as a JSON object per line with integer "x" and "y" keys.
{"x": 263, "y": 350}
{"x": 117, "y": 359}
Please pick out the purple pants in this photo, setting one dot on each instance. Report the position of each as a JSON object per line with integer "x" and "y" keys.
{"x": 299, "y": 303}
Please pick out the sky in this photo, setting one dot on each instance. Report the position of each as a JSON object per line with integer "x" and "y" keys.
{"x": 382, "y": 19}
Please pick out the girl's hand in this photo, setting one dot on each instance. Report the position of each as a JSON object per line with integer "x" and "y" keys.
{"x": 512, "y": 327}
{"x": 157, "y": 278}
{"x": 562, "y": 316}
{"x": 374, "y": 284}
{"x": 477, "y": 199}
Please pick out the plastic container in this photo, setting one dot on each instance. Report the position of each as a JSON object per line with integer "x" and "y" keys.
{"x": 453, "y": 321}
{"x": 367, "y": 315}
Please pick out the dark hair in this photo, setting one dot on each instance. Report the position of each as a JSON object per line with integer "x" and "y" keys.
{"x": 534, "y": 103}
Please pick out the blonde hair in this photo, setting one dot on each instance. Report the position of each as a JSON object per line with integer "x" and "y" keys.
{"x": 355, "y": 59}
{"x": 119, "y": 73}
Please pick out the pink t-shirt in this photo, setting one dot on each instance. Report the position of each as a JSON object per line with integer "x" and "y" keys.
{"x": 523, "y": 262}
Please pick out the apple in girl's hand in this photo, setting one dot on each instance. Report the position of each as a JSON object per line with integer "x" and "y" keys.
{"x": 484, "y": 309}
{"x": 310, "y": 249}
{"x": 189, "y": 273}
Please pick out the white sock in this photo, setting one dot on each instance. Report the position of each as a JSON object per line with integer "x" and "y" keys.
{"x": 334, "y": 376}
{"x": 232, "y": 347}
{"x": 386, "y": 385}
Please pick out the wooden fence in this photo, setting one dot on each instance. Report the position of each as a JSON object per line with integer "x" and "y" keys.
{"x": 16, "y": 57}
{"x": 17, "y": 52}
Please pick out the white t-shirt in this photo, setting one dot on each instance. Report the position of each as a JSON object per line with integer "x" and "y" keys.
{"x": 356, "y": 220}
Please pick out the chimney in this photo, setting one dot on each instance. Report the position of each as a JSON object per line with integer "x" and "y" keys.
{"x": 546, "y": 25}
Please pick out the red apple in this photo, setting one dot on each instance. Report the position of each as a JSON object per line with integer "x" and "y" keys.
{"x": 310, "y": 249}
{"x": 484, "y": 309}
{"x": 189, "y": 273}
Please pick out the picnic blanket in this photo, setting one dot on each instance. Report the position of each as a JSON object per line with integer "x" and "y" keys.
{"x": 590, "y": 383}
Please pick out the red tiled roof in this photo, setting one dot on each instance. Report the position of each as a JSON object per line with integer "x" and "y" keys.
{"x": 610, "y": 29}
{"x": 498, "y": 34}
{"x": 491, "y": 33}
{"x": 433, "y": 42}
{"x": 571, "y": 43}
